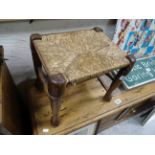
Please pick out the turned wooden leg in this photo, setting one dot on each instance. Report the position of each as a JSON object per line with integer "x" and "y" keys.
{"x": 118, "y": 79}
{"x": 36, "y": 60}
{"x": 56, "y": 88}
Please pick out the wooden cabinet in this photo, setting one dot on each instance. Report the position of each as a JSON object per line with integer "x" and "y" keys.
{"x": 88, "y": 130}
{"x": 84, "y": 105}
{"x": 10, "y": 111}
{"x": 121, "y": 115}
{"x": 107, "y": 122}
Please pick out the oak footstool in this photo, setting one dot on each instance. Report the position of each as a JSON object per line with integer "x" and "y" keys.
{"x": 65, "y": 59}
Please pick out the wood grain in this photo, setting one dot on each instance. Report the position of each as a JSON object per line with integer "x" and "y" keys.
{"x": 79, "y": 55}
{"x": 82, "y": 105}
{"x": 9, "y": 102}
{"x": 113, "y": 119}
{"x": 1, "y": 57}
{"x": 0, "y": 93}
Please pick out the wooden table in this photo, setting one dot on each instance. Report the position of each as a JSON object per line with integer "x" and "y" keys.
{"x": 82, "y": 105}
{"x": 69, "y": 58}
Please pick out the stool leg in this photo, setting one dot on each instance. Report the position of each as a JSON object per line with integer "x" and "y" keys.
{"x": 117, "y": 81}
{"x": 56, "y": 88}
{"x": 36, "y": 60}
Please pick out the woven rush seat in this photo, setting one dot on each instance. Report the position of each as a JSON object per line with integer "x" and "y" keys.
{"x": 79, "y": 55}
{"x": 63, "y": 59}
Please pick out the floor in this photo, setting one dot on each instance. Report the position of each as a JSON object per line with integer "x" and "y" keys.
{"x": 132, "y": 126}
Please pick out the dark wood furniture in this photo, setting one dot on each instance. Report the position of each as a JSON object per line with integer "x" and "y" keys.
{"x": 84, "y": 105}
{"x": 65, "y": 59}
{"x": 126, "y": 113}
{"x": 10, "y": 110}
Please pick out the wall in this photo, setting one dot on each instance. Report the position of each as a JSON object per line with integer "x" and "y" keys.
{"x": 14, "y": 36}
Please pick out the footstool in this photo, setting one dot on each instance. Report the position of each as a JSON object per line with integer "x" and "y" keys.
{"x": 65, "y": 59}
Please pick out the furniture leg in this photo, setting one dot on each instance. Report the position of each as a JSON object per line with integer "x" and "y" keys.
{"x": 56, "y": 88}
{"x": 36, "y": 60}
{"x": 118, "y": 79}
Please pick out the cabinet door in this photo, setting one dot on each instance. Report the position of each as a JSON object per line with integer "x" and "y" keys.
{"x": 88, "y": 130}
{"x": 119, "y": 116}
{"x": 108, "y": 121}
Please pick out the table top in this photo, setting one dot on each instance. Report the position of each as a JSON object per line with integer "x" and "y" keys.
{"x": 79, "y": 55}
{"x": 81, "y": 105}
